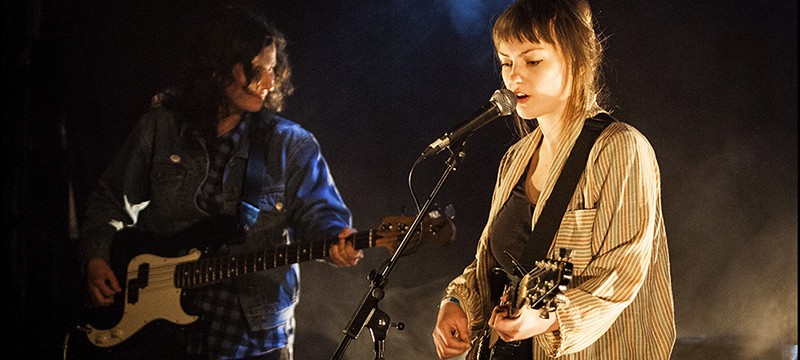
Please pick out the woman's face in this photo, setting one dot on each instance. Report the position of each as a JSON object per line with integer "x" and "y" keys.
{"x": 250, "y": 97}
{"x": 537, "y": 74}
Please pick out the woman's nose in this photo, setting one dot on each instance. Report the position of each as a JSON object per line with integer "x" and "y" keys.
{"x": 514, "y": 74}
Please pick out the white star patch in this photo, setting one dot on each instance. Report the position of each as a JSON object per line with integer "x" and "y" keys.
{"x": 133, "y": 213}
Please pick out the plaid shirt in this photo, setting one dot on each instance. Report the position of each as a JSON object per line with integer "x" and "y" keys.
{"x": 224, "y": 332}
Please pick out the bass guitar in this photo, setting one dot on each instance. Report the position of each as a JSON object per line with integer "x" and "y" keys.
{"x": 154, "y": 283}
{"x": 537, "y": 289}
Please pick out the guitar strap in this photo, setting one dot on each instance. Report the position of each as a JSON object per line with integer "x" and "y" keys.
{"x": 553, "y": 212}
{"x": 256, "y": 169}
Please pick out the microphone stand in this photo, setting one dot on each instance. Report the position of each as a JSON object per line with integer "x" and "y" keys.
{"x": 368, "y": 314}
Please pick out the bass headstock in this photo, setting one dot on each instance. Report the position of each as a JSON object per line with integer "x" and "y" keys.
{"x": 436, "y": 227}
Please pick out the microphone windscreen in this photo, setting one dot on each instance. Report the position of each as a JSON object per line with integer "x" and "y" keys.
{"x": 505, "y": 101}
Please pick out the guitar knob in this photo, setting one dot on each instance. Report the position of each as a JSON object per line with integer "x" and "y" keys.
{"x": 402, "y": 228}
{"x": 117, "y": 333}
{"x": 101, "y": 339}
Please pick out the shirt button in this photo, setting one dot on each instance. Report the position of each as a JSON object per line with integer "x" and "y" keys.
{"x": 279, "y": 206}
{"x": 175, "y": 158}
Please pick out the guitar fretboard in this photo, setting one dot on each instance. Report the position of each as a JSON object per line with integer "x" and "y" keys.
{"x": 212, "y": 270}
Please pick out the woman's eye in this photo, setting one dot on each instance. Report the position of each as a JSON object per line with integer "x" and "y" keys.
{"x": 505, "y": 64}
{"x": 534, "y": 62}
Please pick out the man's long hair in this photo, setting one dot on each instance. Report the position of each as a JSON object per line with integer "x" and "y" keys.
{"x": 231, "y": 36}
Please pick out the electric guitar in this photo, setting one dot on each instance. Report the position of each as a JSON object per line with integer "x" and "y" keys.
{"x": 153, "y": 285}
{"x": 536, "y": 289}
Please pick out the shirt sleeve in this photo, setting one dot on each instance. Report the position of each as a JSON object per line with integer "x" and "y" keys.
{"x": 624, "y": 181}
{"x": 125, "y": 179}
{"x": 318, "y": 210}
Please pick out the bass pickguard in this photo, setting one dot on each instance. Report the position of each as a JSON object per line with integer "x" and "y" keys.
{"x": 150, "y": 295}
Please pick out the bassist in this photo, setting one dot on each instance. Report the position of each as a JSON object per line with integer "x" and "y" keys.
{"x": 214, "y": 145}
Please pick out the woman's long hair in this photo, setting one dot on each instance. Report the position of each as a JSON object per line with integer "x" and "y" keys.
{"x": 233, "y": 35}
{"x": 566, "y": 24}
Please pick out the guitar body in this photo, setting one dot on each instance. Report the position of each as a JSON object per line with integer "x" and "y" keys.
{"x": 154, "y": 299}
{"x": 501, "y": 350}
{"x": 536, "y": 289}
{"x": 490, "y": 346}
{"x": 145, "y": 266}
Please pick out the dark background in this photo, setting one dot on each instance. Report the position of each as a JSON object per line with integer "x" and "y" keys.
{"x": 713, "y": 85}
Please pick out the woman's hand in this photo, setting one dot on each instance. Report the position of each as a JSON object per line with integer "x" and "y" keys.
{"x": 528, "y": 324}
{"x": 451, "y": 335}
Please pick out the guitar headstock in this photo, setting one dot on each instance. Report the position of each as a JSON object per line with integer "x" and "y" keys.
{"x": 436, "y": 227}
{"x": 539, "y": 287}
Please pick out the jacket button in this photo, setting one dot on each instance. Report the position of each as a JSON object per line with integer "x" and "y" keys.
{"x": 175, "y": 158}
{"x": 279, "y": 206}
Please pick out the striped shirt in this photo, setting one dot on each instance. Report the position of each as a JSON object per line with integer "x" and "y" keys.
{"x": 619, "y": 302}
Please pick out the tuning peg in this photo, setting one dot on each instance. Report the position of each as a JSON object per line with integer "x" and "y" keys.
{"x": 402, "y": 228}
{"x": 545, "y": 314}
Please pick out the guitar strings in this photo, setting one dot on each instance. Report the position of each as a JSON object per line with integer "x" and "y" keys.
{"x": 188, "y": 274}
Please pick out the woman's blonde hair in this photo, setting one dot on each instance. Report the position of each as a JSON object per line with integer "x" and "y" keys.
{"x": 566, "y": 24}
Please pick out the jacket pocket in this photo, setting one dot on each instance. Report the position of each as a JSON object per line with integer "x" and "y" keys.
{"x": 575, "y": 233}
{"x": 270, "y": 227}
{"x": 272, "y": 198}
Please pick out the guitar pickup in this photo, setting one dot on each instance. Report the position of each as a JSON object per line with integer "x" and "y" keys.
{"x": 139, "y": 282}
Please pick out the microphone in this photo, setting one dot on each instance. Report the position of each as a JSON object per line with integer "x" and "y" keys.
{"x": 502, "y": 103}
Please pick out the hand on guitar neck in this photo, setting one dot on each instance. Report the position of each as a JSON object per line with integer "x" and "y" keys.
{"x": 524, "y": 323}
{"x": 344, "y": 253}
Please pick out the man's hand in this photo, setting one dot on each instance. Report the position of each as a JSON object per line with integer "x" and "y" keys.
{"x": 101, "y": 282}
{"x": 343, "y": 253}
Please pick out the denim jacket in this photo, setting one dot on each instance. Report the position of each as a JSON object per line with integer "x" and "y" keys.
{"x": 277, "y": 182}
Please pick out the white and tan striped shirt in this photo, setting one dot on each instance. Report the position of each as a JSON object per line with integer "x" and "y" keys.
{"x": 619, "y": 303}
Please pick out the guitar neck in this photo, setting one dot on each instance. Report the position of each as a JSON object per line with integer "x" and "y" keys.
{"x": 207, "y": 271}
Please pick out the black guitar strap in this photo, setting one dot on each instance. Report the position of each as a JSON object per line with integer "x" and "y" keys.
{"x": 550, "y": 219}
